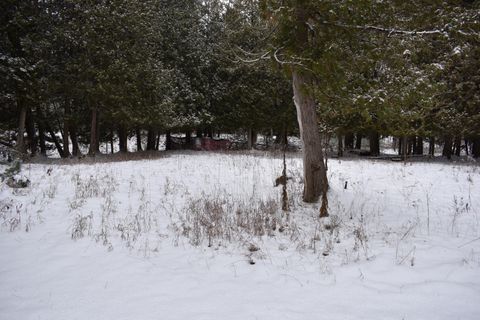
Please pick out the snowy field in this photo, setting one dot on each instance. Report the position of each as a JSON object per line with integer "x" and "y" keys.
{"x": 202, "y": 236}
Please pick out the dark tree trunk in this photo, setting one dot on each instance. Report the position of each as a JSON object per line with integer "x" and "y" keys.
{"x": 55, "y": 141}
{"x": 314, "y": 171}
{"x": 41, "y": 132}
{"x": 20, "y": 145}
{"x": 168, "y": 141}
{"x": 349, "y": 141}
{"x": 458, "y": 146}
{"x": 447, "y": 148}
{"x": 93, "y": 133}
{"x": 476, "y": 148}
{"x": 151, "y": 140}
{"x": 112, "y": 146}
{"x": 374, "y": 139}
{"x": 431, "y": 146}
{"x": 157, "y": 145}
{"x": 138, "y": 134}
{"x": 122, "y": 139}
{"x": 66, "y": 126}
{"x": 31, "y": 133}
{"x": 251, "y": 138}
{"x": 340, "y": 146}
{"x": 74, "y": 137}
{"x": 188, "y": 138}
{"x": 358, "y": 141}
{"x": 419, "y": 146}
{"x": 401, "y": 145}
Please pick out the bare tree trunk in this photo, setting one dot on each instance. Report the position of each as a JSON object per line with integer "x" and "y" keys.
{"x": 41, "y": 132}
{"x": 151, "y": 140}
{"x": 418, "y": 146}
{"x": 358, "y": 141}
{"x": 447, "y": 148}
{"x": 476, "y": 148}
{"x": 458, "y": 146}
{"x": 349, "y": 141}
{"x": 93, "y": 133}
{"x": 66, "y": 126}
{"x": 20, "y": 145}
{"x": 55, "y": 141}
{"x": 340, "y": 145}
{"x": 374, "y": 143}
{"x": 431, "y": 146}
{"x": 32, "y": 136}
{"x": 168, "y": 141}
{"x": 73, "y": 136}
{"x": 314, "y": 171}
{"x": 112, "y": 136}
{"x": 122, "y": 139}
{"x": 138, "y": 134}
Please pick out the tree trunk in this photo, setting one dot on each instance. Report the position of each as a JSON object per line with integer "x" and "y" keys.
{"x": 122, "y": 139}
{"x": 55, "y": 141}
{"x": 314, "y": 171}
{"x": 112, "y": 146}
{"x": 66, "y": 125}
{"x": 20, "y": 145}
{"x": 458, "y": 146}
{"x": 447, "y": 148}
{"x": 41, "y": 132}
{"x": 251, "y": 138}
{"x": 93, "y": 133}
{"x": 431, "y": 146}
{"x": 188, "y": 139}
{"x": 340, "y": 146}
{"x": 419, "y": 146}
{"x": 374, "y": 143}
{"x": 168, "y": 141}
{"x": 138, "y": 134}
{"x": 74, "y": 137}
{"x": 358, "y": 141}
{"x": 151, "y": 140}
{"x": 476, "y": 148}
{"x": 349, "y": 141}
{"x": 32, "y": 136}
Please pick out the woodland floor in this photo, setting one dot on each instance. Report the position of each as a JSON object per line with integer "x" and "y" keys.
{"x": 201, "y": 235}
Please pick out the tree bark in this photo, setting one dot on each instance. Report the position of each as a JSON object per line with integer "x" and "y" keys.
{"x": 74, "y": 137}
{"x": 41, "y": 132}
{"x": 20, "y": 145}
{"x": 458, "y": 146}
{"x": 122, "y": 139}
{"x": 447, "y": 148}
{"x": 55, "y": 141}
{"x": 419, "y": 146}
{"x": 358, "y": 141}
{"x": 349, "y": 141}
{"x": 151, "y": 139}
{"x": 476, "y": 148}
{"x": 340, "y": 145}
{"x": 314, "y": 171}
{"x": 138, "y": 134}
{"x": 93, "y": 133}
{"x": 431, "y": 146}
{"x": 32, "y": 136}
{"x": 66, "y": 126}
{"x": 374, "y": 143}
{"x": 168, "y": 141}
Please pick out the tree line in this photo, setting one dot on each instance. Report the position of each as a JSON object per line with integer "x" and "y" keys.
{"x": 85, "y": 72}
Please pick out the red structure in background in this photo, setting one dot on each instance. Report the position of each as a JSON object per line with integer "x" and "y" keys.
{"x": 209, "y": 144}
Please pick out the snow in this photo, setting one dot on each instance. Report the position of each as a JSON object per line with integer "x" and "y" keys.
{"x": 403, "y": 242}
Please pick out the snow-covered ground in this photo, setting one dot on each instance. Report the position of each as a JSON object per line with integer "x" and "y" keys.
{"x": 201, "y": 236}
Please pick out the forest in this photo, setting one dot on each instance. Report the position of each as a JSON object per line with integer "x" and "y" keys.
{"x": 87, "y": 72}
